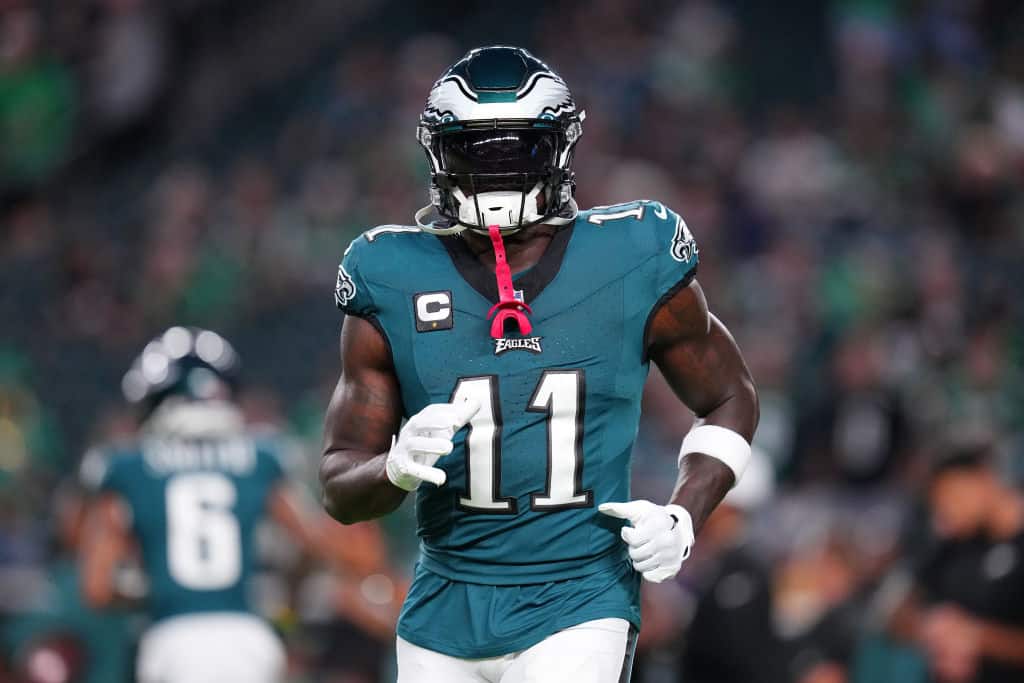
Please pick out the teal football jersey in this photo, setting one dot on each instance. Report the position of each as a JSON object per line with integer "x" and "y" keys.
{"x": 194, "y": 505}
{"x": 560, "y": 407}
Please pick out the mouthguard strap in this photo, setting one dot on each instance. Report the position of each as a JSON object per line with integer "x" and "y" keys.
{"x": 508, "y": 306}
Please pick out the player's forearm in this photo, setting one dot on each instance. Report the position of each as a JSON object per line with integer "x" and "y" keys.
{"x": 103, "y": 548}
{"x": 102, "y": 584}
{"x": 96, "y": 586}
{"x": 356, "y": 486}
{"x": 704, "y": 480}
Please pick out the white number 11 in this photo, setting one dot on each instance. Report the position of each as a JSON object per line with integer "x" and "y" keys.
{"x": 560, "y": 394}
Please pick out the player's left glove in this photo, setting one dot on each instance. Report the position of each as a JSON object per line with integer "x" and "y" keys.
{"x": 659, "y": 540}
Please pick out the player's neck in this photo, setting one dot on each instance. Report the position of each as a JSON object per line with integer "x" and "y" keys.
{"x": 523, "y": 249}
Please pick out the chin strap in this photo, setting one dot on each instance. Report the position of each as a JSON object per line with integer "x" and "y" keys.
{"x": 508, "y": 306}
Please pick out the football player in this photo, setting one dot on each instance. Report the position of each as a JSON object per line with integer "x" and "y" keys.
{"x": 189, "y": 496}
{"x": 513, "y": 333}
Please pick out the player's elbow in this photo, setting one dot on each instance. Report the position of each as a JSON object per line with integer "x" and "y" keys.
{"x": 329, "y": 495}
{"x": 342, "y": 512}
{"x": 336, "y": 509}
{"x": 334, "y": 497}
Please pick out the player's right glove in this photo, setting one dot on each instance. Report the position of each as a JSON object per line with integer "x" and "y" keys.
{"x": 424, "y": 438}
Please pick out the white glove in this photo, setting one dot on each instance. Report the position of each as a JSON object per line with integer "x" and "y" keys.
{"x": 659, "y": 540}
{"x": 424, "y": 438}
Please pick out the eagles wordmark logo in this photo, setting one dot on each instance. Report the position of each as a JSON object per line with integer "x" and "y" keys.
{"x": 531, "y": 344}
{"x": 345, "y": 289}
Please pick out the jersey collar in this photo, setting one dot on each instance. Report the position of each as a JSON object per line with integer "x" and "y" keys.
{"x": 532, "y": 282}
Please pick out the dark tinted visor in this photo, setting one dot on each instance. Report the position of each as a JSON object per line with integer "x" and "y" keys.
{"x": 498, "y": 151}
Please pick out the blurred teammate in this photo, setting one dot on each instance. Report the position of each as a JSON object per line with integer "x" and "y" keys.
{"x": 967, "y": 607}
{"x": 529, "y": 323}
{"x": 189, "y": 495}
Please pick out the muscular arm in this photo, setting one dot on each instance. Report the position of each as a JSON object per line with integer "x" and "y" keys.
{"x": 702, "y": 364}
{"x": 364, "y": 412}
{"x": 104, "y": 547}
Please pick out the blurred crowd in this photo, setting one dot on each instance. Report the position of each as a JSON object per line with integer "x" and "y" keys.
{"x": 852, "y": 171}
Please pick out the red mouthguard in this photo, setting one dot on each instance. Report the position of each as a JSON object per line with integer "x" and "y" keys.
{"x": 508, "y": 306}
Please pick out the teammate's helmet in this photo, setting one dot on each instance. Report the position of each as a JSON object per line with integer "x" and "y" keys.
{"x": 499, "y": 131}
{"x": 184, "y": 362}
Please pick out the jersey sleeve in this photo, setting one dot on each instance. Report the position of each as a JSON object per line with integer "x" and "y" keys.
{"x": 351, "y": 291}
{"x": 668, "y": 256}
{"x": 673, "y": 256}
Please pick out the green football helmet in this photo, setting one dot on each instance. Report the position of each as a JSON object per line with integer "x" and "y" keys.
{"x": 186, "y": 363}
{"x": 499, "y": 130}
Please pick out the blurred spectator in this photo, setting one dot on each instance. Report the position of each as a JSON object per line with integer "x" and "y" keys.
{"x": 30, "y": 462}
{"x": 821, "y": 610}
{"x": 179, "y": 214}
{"x": 36, "y": 103}
{"x": 857, "y": 431}
{"x": 967, "y": 608}
{"x": 128, "y": 68}
{"x": 61, "y": 639}
{"x": 731, "y": 637}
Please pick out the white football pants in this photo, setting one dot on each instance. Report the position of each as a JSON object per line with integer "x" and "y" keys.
{"x": 219, "y": 647}
{"x": 591, "y": 652}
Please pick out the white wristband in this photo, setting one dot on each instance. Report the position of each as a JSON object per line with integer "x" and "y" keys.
{"x": 720, "y": 443}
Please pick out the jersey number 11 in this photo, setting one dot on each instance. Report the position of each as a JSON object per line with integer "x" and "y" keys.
{"x": 561, "y": 395}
